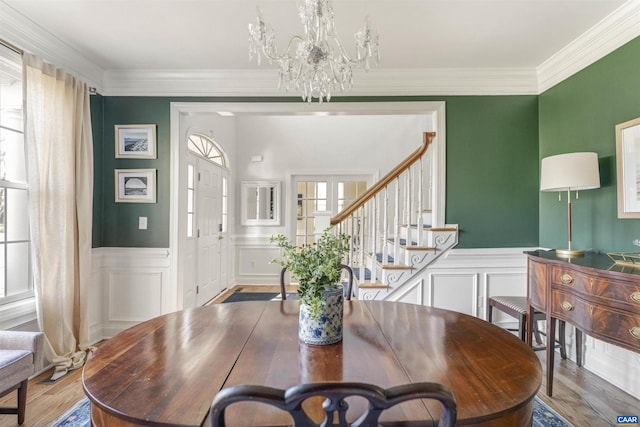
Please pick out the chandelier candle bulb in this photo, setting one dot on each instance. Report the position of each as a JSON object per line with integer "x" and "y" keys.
{"x": 316, "y": 63}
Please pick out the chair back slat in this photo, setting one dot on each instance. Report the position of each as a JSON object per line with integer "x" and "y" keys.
{"x": 335, "y": 395}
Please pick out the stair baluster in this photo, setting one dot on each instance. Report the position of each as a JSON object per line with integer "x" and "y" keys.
{"x": 396, "y": 224}
{"x": 420, "y": 220}
{"x": 374, "y": 240}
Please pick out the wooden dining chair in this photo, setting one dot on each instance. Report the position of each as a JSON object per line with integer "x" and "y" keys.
{"x": 335, "y": 395}
{"x": 347, "y": 296}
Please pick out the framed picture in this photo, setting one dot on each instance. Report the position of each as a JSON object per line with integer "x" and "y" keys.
{"x": 135, "y": 185}
{"x": 628, "y": 168}
{"x": 135, "y": 141}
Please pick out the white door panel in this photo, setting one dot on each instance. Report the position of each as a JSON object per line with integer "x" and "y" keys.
{"x": 209, "y": 214}
{"x": 205, "y": 257}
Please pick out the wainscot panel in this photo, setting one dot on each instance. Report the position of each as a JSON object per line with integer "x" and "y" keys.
{"x": 133, "y": 287}
{"x": 253, "y": 256}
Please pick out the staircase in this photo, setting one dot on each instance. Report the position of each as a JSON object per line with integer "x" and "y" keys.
{"x": 390, "y": 228}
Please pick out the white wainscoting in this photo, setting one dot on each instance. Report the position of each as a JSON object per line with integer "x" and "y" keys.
{"x": 464, "y": 279}
{"x": 253, "y": 255}
{"x": 130, "y": 285}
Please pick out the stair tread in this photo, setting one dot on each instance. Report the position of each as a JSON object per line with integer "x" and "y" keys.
{"x": 419, "y": 248}
{"x": 396, "y": 267}
{"x": 375, "y": 285}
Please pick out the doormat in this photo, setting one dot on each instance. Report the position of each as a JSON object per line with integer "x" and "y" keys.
{"x": 251, "y": 296}
{"x": 242, "y": 294}
{"x": 79, "y": 416}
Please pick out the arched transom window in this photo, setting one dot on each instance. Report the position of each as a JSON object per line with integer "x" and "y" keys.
{"x": 206, "y": 147}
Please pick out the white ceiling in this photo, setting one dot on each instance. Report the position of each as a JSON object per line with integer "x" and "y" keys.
{"x": 200, "y": 37}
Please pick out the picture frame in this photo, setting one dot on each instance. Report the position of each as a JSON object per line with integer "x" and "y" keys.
{"x": 135, "y": 185}
{"x": 135, "y": 141}
{"x": 628, "y": 168}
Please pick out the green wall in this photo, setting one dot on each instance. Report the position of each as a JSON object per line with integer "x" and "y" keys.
{"x": 120, "y": 220}
{"x": 97, "y": 113}
{"x": 580, "y": 114}
{"x": 492, "y": 168}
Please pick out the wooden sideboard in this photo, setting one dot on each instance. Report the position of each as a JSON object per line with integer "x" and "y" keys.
{"x": 591, "y": 292}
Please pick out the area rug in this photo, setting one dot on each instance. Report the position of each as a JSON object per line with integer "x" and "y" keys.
{"x": 544, "y": 416}
{"x": 79, "y": 416}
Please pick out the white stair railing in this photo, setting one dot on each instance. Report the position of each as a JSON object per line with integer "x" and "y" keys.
{"x": 390, "y": 210}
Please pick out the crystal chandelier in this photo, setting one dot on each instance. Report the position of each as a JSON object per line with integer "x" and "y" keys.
{"x": 316, "y": 63}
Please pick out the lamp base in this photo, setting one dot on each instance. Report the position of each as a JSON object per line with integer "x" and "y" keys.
{"x": 569, "y": 253}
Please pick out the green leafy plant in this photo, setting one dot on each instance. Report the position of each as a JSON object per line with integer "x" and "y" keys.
{"x": 317, "y": 266}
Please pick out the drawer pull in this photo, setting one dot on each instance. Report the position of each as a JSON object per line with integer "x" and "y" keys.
{"x": 635, "y": 332}
{"x": 567, "y": 306}
{"x": 566, "y": 278}
{"x": 636, "y": 296}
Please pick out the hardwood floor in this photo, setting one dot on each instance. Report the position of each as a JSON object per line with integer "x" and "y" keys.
{"x": 46, "y": 402}
{"x": 581, "y": 397}
{"x": 584, "y": 398}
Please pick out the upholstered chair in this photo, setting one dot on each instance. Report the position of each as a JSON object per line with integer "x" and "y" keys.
{"x": 21, "y": 356}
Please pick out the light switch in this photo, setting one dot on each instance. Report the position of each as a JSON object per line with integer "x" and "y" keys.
{"x": 142, "y": 223}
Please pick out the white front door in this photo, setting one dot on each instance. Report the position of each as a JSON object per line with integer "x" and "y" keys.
{"x": 206, "y": 269}
{"x": 209, "y": 234}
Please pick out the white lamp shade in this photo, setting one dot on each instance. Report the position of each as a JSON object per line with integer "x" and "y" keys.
{"x": 571, "y": 171}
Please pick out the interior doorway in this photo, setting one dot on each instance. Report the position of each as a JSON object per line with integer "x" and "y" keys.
{"x": 207, "y": 114}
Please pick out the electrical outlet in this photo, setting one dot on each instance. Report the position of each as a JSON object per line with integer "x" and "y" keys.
{"x": 142, "y": 223}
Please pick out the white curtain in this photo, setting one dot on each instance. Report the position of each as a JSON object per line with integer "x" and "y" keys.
{"x": 60, "y": 176}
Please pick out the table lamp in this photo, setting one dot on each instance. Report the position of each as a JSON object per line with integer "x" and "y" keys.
{"x": 567, "y": 172}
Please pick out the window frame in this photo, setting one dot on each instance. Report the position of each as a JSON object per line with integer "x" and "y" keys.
{"x": 8, "y": 56}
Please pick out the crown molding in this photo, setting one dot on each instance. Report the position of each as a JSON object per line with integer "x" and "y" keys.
{"x": 371, "y": 83}
{"x": 617, "y": 29}
{"x": 25, "y": 34}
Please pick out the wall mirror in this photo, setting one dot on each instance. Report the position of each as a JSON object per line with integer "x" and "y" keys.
{"x": 628, "y": 168}
{"x": 260, "y": 202}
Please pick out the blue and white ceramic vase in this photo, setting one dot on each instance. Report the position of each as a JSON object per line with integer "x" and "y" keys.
{"x": 326, "y": 328}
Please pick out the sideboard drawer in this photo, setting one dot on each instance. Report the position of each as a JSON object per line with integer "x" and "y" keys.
{"x": 616, "y": 293}
{"x": 614, "y": 325}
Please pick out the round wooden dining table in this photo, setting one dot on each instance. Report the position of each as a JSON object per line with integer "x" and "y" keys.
{"x": 167, "y": 370}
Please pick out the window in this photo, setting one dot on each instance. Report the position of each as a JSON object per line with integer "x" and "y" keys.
{"x": 225, "y": 205}
{"x": 15, "y": 245}
{"x": 206, "y": 147}
{"x": 191, "y": 199}
{"x": 324, "y": 196}
{"x": 312, "y": 198}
